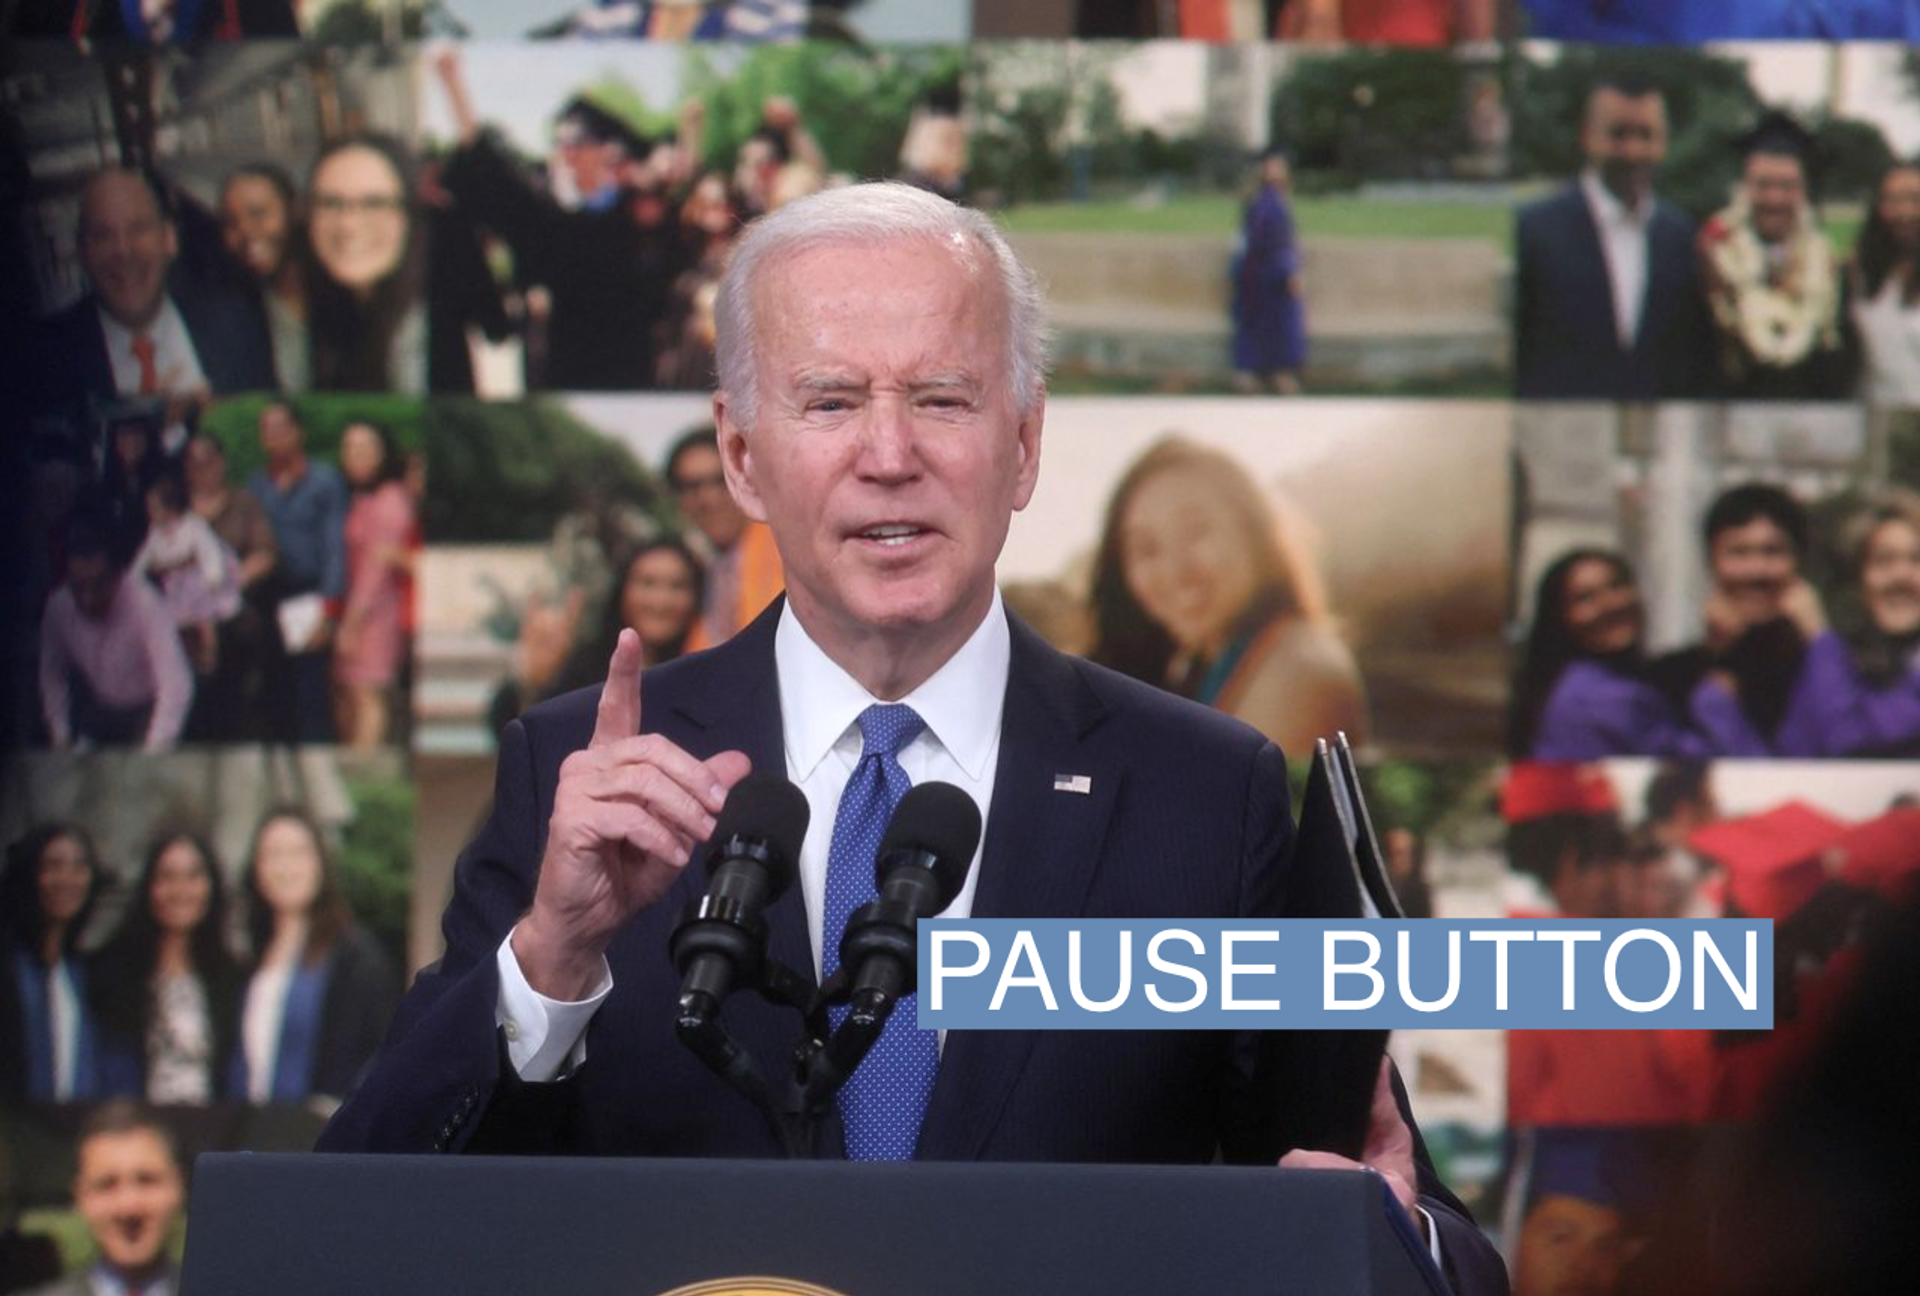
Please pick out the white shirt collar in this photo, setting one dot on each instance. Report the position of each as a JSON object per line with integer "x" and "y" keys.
{"x": 166, "y": 328}
{"x": 960, "y": 702}
{"x": 1609, "y": 208}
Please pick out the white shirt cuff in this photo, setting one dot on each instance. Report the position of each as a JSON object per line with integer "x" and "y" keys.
{"x": 546, "y": 1038}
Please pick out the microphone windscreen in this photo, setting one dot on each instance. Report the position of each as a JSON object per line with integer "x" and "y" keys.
{"x": 768, "y": 808}
{"x": 941, "y": 820}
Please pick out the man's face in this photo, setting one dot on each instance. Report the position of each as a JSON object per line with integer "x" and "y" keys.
{"x": 592, "y": 164}
{"x": 1570, "y": 1247}
{"x": 126, "y": 245}
{"x": 888, "y": 454}
{"x": 1776, "y": 189}
{"x": 94, "y": 581}
{"x": 700, "y": 486}
{"x": 1625, "y": 138}
{"x": 1754, "y": 566}
{"x": 255, "y": 225}
{"x": 279, "y": 434}
{"x": 128, "y": 1191}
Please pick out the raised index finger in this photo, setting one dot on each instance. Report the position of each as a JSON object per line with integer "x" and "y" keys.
{"x": 619, "y": 713}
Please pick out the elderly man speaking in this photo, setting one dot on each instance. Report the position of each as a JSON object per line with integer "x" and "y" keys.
{"x": 882, "y": 387}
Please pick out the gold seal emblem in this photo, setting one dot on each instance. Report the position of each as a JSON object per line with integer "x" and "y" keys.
{"x": 758, "y": 1286}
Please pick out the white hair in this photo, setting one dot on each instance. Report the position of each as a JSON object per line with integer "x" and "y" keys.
{"x": 871, "y": 215}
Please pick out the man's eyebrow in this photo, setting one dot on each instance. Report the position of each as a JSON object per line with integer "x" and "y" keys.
{"x": 957, "y": 378}
{"x": 827, "y": 380}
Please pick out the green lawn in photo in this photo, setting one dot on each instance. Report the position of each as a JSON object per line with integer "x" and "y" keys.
{"x": 1473, "y": 384}
{"x": 1323, "y": 216}
{"x": 1339, "y": 215}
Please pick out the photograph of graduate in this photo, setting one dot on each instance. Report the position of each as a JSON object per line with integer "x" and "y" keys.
{"x": 1704, "y": 581}
{"x": 1650, "y": 22}
{"x": 254, "y": 584}
{"x": 1827, "y": 851}
{"x": 1693, "y": 222}
{"x": 557, "y": 523}
{"x": 241, "y": 218}
{"x": 1580, "y": 1207}
{"x": 1260, "y": 218}
{"x": 1398, "y": 22}
{"x": 1280, "y": 560}
{"x": 216, "y": 927}
{"x": 732, "y": 21}
{"x": 604, "y": 190}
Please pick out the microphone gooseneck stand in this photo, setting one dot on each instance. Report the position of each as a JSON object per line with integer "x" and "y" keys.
{"x": 720, "y": 946}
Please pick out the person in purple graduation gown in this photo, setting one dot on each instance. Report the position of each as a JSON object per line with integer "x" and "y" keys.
{"x": 1765, "y": 672}
{"x": 1586, "y": 689}
{"x": 1269, "y": 316}
{"x": 1866, "y": 681}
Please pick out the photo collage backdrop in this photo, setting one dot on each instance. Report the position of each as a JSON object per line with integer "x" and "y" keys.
{"x": 1343, "y": 434}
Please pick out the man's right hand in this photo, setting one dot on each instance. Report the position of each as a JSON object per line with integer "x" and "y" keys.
{"x": 627, "y": 813}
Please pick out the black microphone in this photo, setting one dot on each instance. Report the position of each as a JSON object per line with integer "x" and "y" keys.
{"x": 921, "y": 866}
{"x": 721, "y": 939}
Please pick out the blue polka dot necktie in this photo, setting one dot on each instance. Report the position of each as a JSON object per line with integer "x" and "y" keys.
{"x": 883, "y": 1102}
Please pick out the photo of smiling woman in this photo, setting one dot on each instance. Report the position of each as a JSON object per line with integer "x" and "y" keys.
{"x": 321, "y": 991}
{"x": 367, "y": 325}
{"x": 1196, "y": 589}
{"x": 166, "y": 988}
{"x": 1872, "y": 703}
{"x": 48, "y": 1040}
{"x": 658, "y": 594}
{"x": 1585, "y": 688}
{"x": 1884, "y": 287}
{"x": 260, "y": 220}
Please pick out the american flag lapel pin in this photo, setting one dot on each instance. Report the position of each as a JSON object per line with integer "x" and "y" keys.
{"x": 1081, "y": 783}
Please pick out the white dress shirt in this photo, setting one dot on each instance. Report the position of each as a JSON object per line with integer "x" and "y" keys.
{"x": 176, "y": 364}
{"x": 1890, "y": 335}
{"x": 820, "y": 706}
{"x": 1623, "y": 240}
{"x": 65, "y": 1022}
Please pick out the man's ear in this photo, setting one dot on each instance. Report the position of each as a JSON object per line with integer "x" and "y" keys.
{"x": 736, "y": 457}
{"x": 1027, "y": 438}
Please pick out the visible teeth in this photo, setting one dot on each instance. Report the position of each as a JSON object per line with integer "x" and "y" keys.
{"x": 891, "y": 534}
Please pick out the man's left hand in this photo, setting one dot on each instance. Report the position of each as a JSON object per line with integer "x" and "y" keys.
{"x": 1388, "y": 1151}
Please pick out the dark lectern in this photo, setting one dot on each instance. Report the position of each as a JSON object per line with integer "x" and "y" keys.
{"x": 481, "y": 1226}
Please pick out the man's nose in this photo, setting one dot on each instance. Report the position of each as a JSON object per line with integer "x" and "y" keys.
{"x": 888, "y": 447}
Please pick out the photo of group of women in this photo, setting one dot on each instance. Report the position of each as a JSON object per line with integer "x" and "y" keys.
{"x": 365, "y": 404}
{"x": 217, "y": 934}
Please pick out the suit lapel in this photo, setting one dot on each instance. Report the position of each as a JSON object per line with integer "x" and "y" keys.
{"x": 1589, "y": 256}
{"x": 1665, "y": 288}
{"x": 1042, "y": 849}
{"x": 99, "y": 364}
